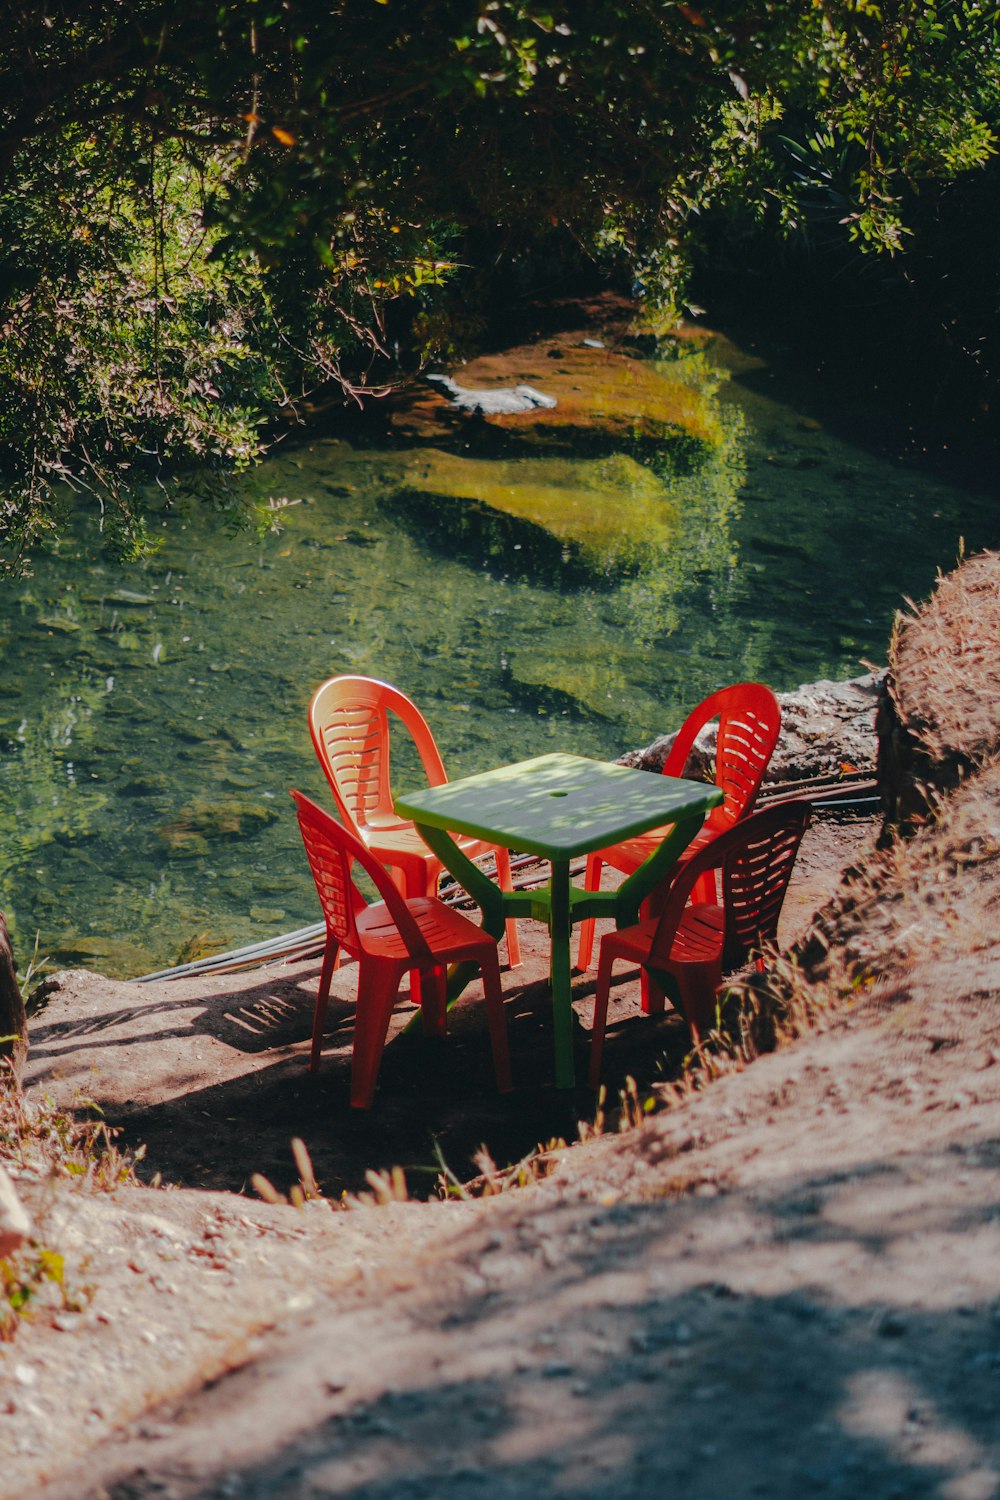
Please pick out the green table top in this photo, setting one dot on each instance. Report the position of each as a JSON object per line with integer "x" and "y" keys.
{"x": 558, "y": 806}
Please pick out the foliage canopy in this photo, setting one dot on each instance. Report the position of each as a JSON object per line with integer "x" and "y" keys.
{"x": 208, "y": 206}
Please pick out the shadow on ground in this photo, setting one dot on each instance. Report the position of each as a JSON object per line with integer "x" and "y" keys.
{"x": 804, "y": 1363}
{"x": 210, "y": 1072}
{"x": 215, "y": 1086}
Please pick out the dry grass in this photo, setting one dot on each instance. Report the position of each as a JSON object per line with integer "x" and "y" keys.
{"x": 39, "y": 1140}
{"x": 920, "y": 909}
{"x": 921, "y": 913}
{"x": 945, "y": 661}
{"x": 42, "y": 1146}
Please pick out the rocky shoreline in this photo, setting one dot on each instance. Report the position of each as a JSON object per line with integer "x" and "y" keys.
{"x": 828, "y": 729}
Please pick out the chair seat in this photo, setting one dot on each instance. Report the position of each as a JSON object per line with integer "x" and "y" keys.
{"x": 631, "y": 853}
{"x": 442, "y": 929}
{"x": 401, "y": 837}
{"x": 699, "y": 937}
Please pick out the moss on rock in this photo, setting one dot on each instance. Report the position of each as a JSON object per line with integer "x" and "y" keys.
{"x": 607, "y": 515}
{"x": 633, "y": 465}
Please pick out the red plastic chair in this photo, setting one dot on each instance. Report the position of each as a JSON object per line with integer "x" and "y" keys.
{"x": 349, "y": 723}
{"x": 693, "y": 945}
{"x": 749, "y": 718}
{"x": 390, "y": 938}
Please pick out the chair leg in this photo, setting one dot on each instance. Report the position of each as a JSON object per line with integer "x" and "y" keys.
{"x": 433, "y": 999}
{"x": 331, "y": 954}
{"x": 600, "y": 1014}
{"x": 413, "y": 881}
{"x": 591, "y": 882}
{"x": 651, "y": 995}
{"x": 497, "y": 1022}
{"x": 378, "y": 986}
{"x": 506, "y": 883}
{"x": 698, "y": 985}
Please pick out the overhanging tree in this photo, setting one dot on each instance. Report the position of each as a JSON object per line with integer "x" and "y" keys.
{"x": 205, "y": 207}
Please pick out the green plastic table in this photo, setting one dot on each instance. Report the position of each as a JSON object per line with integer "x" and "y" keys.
{"x": 558, "y": 807}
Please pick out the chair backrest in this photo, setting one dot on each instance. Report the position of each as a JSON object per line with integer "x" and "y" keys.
{"x": 749, "y": 718}
{"x": 756, "y": 858}
{"x": 755, "y": 876}
{"x": 332, "y": 851}
{"x": 349, "y": 724}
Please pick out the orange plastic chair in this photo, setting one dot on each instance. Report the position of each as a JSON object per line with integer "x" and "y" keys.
{"x": 394, "y": 936}
{"x": 693, "y": 945}
{"x": 749, "y": 718}
{"x": 349, "y": 723}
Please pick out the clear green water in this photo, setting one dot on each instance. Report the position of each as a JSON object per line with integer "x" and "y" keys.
{"x": 152, "y": 717}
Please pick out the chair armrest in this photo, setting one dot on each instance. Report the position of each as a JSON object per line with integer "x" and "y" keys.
{"x": 710, "y": 857}
{"x": 396, "y": 904}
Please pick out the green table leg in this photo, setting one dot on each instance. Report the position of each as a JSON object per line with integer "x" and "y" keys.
{"x": 560, "y": 925}
{"x": 480, "y": 888}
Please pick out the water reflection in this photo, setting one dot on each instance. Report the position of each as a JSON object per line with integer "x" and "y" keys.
{"x": 153, "y": 717}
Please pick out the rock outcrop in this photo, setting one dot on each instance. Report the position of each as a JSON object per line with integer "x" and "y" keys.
{"x": 503, "y": 401}
{"x": 564, "y": 393}
{"x": 937, "y": 719}
{"x": 827, "y": 729}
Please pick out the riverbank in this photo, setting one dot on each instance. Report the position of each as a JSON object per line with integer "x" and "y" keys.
{"x": 783, "y": 1282}
{"x": 174, "y": 1063}
{"x": 126, "y": 863}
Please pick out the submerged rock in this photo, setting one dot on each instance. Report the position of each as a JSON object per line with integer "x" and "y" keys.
{"x": 61, "y": 623}
{"x": 505, "y": 401}
{"x": 540, "y": 516}
{"x": 222, "y": 818}
{"x": 581, "y": 684}
{"x": 109, "y": 954}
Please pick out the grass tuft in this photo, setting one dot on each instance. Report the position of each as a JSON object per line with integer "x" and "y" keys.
{"x": 41, "y": 1145}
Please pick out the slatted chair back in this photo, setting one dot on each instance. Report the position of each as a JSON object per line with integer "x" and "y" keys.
{"x": 756, "y": 858}
{"x": 332, "y": 851}
{"x": 755, "y": 876}
{"x": 330, "y": 861}
{"x": 350, "y": 728}
{"x": 749, "y": 718}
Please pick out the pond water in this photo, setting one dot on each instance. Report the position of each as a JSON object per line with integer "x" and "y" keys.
{"x": 153, "y": 716}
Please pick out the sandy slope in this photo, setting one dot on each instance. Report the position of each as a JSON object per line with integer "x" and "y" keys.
{"x": 790, "y": 1285}
{"x": 787, "y": 1285}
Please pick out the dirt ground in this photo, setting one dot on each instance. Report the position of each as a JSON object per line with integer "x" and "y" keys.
{"x": 183, "y": 1066}
{"x": 788, "y": 1285}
